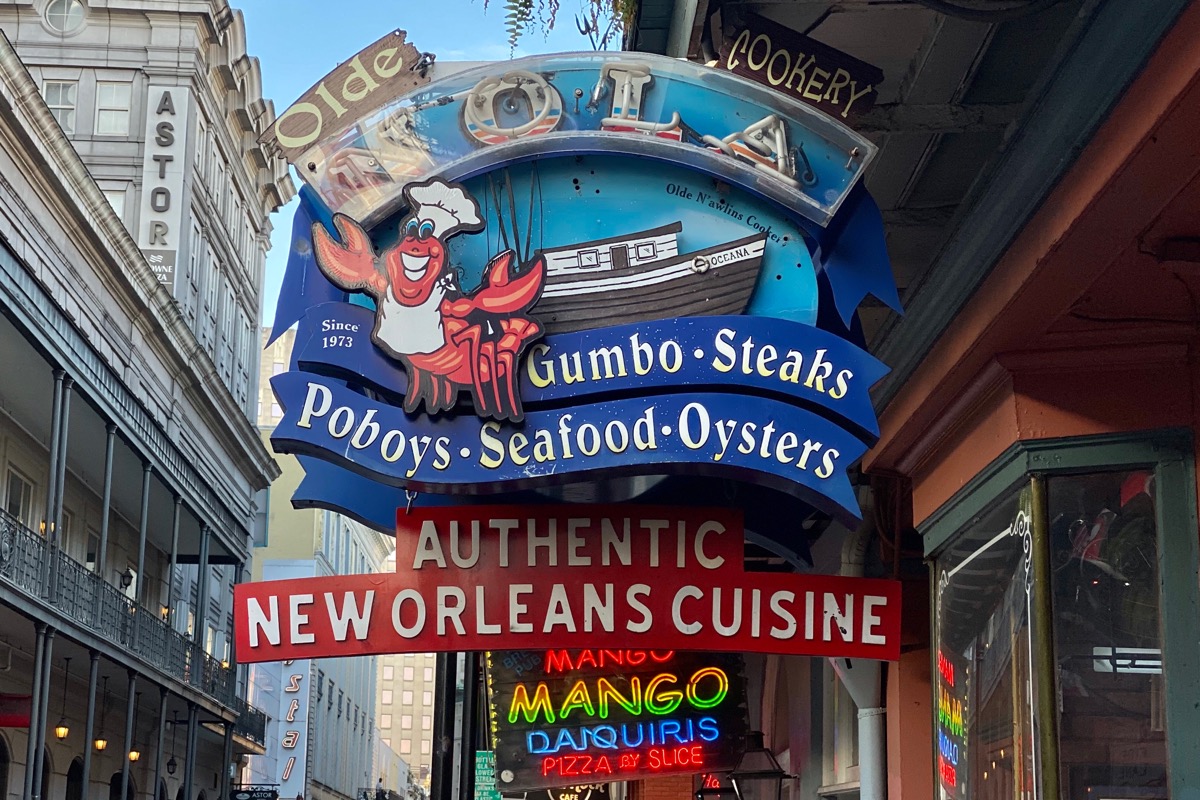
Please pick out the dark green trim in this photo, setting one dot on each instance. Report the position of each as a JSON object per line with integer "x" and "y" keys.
{"x": 969, "y": 502}
{"x": 933, "y": 671}
{"x": 1061, "y": 119}
{"x": 1178, "y": 564}
{"x": 1073, "y": 454}
{"x": 651, "y": 27}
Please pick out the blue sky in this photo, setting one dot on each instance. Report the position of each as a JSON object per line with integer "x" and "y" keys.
{"x": 300, "y": 41}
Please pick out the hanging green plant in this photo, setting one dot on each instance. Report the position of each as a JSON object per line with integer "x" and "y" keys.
{"x": 601, "y": 21}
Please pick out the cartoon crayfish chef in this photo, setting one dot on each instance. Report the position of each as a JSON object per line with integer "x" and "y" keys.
{"x": 447, "y": 340}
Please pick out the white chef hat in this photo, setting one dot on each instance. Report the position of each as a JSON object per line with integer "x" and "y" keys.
{"x": 446, "y": 205}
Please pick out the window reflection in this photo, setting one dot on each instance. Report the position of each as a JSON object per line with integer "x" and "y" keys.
{"x": 984, "y": 725}
{"x": 1112, "y": 736}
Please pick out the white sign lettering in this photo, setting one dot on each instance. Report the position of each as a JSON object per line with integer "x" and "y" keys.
{"x": 164, "y": 165}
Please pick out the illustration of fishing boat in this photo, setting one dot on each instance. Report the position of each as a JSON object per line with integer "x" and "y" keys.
{"x": 642, "y": 276}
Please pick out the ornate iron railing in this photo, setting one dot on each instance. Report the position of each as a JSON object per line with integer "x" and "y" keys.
{"x": 30, "y": 564}
{"x": 252, "y": 722}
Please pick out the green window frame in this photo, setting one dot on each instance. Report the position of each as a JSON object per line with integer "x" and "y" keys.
{"x": 1169, "y": 454}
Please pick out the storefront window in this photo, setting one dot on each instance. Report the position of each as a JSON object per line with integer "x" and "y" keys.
{"x": 1107, "y": 636}
{"x": 985, "y": 726}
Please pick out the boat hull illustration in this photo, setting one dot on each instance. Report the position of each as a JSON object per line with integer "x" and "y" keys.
{"x": 642, "y": 277}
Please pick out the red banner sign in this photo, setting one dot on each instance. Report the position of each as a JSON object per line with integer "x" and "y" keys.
{"x": 14, "y": 710}
{"x": 518, "y": 578}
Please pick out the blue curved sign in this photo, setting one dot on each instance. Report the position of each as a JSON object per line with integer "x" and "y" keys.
{"x": 565, "y": 269}
{"x": 799, "y": 363}
{"x": 760, "y": 440}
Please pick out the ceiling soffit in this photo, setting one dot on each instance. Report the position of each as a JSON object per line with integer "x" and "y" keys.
{"x": 976, "y": 122}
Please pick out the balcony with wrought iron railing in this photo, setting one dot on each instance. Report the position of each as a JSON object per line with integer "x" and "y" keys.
{"x": 31, "y": 565}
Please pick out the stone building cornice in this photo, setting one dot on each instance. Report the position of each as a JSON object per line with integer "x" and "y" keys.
{"x": 128, "y": 276}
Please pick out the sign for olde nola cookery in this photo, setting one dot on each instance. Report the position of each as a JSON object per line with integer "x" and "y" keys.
{"x": 801, "y": 67}
{"x": 649, "y": 301}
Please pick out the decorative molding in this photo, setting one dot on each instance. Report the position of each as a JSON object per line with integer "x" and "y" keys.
{"x": 164, "y": 324}
{"x": 990, "y": 380}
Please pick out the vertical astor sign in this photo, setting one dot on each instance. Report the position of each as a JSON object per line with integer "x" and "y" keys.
{"x": 163, "y": 168}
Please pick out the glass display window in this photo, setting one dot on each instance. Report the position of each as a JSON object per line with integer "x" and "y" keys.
{"x": 984, "y": 733}
{"x": 1065, "y": 607}
{"x": 1107, "y": 635}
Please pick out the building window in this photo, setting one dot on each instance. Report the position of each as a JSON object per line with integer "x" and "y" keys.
{"x": 1107, "y": 630}
{"x": 93, "y": 547}
{"x": 60, "y": 97}
{"x": 429, "y": 673}
{"x": 116, "y": 199}
{"x": 425, "y": 747}
{"x": 406, "y": 722}
{"x": 201, "y": 145}
{"x": 387, "y": 742}
{"x": 426, "y": 722}
{"x": 839, "y": 728}
{"x": 18, "y": 498}
{"x": 389, "y": 672}
{"x": 112, "y": 108}
{"x": 426, "y": 698}
{"x": 408, "y": 673}
{"x": 406, "y": 697}
{"x": 385, "y": 721}
{"x": 276, "y": 411}
{"x": 387, "y": 697}
{"x": 64, "y": 16}
{"x": 405, "y": 746}
{"x": 984, "y": 686}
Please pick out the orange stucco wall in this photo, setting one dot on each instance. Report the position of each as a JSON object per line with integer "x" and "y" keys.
{"x": 1077, "y": 330}
{"x": 909, "y": 728}
{"x": 1053, "y": 395}
{"x": 1139, "y": 162}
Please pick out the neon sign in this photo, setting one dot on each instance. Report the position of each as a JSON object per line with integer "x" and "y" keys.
{"x": 293, "y": 726}
{"x": 561, "y": 715}
{"x": 953, "y": 677}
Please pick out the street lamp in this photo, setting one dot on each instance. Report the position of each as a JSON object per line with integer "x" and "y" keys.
{"x": 758, "y": 775}
{"x": 135, "y": 754}
{"x": 126, "y": 578}
{"x": 714, "y": 786}
{"x": 100, "y": 743}
{"x": 171, "y": 762}
{"x": 62, "y": 730}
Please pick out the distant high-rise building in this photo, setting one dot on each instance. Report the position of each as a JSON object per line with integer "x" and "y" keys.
{"x": 406, "y": 697}
{"x": 324, "y": 741}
